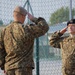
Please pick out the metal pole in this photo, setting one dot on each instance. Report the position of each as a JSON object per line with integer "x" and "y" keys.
{"x": 31, "y": 8}
{"x": 70, "y": 10}
{"x": 25, "y": 4}
{"x": 28, "y": 8}
{"x": 37, "y": 56}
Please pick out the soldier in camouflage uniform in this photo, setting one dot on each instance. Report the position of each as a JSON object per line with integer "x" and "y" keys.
{"x": 67, "y": 46}
{"x": 17, "y": 40}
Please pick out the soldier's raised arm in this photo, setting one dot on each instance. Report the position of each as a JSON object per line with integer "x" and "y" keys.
{"x": 55, "y": 38}
{"x": 39, "y": 28}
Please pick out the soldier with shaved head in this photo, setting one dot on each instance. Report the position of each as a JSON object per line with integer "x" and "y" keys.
{"x": 17, "y": 40}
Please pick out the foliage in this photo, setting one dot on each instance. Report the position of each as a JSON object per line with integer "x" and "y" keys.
{"x": 11, "y": 21}
{"x": 1, "y": 22}
{"x": 61, "y": 15}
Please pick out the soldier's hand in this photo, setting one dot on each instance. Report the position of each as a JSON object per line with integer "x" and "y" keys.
{"x": 63, "y": 30}
{"x": 31, "y": 17}
{"x": 2, "y": 67}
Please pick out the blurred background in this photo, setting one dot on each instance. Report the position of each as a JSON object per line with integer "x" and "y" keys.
{"x": 56, "y": 12}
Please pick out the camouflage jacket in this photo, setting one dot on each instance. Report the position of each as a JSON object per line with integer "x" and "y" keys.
{"x": 18, "y": 40}
{"x": 67, "y": 46}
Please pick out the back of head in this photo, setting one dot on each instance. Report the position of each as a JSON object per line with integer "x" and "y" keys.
{"x": 20, "y": 10}
{"x": 72, "y": 21}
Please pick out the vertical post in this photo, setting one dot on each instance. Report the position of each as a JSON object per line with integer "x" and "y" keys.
{"x": 37, "y": 56}
{"x": 47, "y": 51}
{"x": 70, "y": 10}
{"x": 28, "y": 8}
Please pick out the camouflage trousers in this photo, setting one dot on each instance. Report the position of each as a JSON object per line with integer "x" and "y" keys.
{"x": 20, "y": 71}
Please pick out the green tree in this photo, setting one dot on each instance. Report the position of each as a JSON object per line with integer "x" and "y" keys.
{"x": 1, "y": 22}
{"x": 11, "y": 21}
{"x": 61, "y": 15}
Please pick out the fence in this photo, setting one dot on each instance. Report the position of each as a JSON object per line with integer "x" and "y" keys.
{"x": 56, "y": 13}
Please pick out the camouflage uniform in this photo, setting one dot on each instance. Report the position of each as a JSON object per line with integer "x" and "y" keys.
{"x": 67, "y": 44}
{"x": 18, "y": 41}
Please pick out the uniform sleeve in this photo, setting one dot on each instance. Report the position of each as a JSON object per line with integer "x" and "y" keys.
{"x": 2, "y": 52}
{"x": 56, "y": 39}
{"x": 39, "y": 28}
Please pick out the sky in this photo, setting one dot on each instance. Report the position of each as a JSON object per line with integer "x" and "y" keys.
{"x": 43, "y": 8}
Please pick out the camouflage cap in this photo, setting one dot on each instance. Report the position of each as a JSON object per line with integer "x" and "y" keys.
{"x": 20, "y": 10}
{"x": 72, "y": 21}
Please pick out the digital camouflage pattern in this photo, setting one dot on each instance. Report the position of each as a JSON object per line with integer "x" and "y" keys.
{"x": 2, "y": 53}
{"x": 20, "y": 71}
{"x": 18, "y": 40}
{"x": 67, "y": 46}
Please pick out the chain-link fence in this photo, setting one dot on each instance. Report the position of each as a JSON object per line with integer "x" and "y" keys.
{"x": 56, "y": 13}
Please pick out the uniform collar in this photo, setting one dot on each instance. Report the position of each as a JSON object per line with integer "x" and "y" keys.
{"x": 17, "y": 22}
